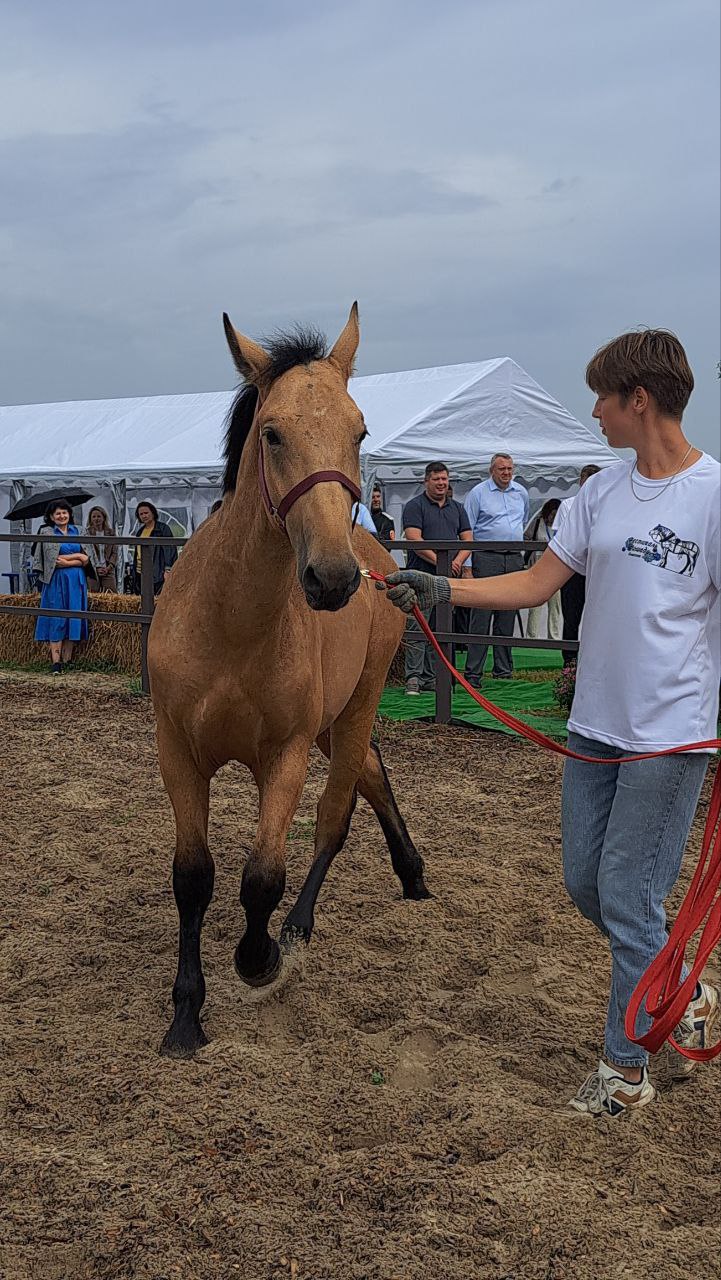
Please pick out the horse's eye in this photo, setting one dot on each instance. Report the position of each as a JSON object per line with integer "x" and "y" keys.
{"x": 361, "y": 438}
{"x": 272, "y": 438}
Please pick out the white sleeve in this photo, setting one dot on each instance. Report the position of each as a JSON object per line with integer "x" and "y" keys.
{"x": 570, "y": 543}
{"x": 561, "y": 514}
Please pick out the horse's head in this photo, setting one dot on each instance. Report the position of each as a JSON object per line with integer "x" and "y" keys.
{"x": 661, "y": 534}
{"x": 305, "y": 422}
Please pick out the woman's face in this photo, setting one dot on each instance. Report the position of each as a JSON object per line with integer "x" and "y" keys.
{"x": 96, "y": 520}
{"x": 145, "y": 515}
{"x": 60, "y": 517}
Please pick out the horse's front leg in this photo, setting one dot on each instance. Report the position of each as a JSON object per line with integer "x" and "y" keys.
{"x": 280, "y": 783}
{"x": 193, "y": 875}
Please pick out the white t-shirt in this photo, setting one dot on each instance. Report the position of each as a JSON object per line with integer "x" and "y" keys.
{"x": 563, "y": 509}
{"x": 650, "y": 656}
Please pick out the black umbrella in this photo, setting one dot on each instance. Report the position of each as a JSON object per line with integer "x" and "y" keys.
{"x": 37, "y": 504}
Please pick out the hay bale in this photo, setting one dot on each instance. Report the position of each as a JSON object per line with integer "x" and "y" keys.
{"x": 111, "y": 644}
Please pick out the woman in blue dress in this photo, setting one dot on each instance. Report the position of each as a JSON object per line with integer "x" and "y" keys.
{"x": 62, "y": 572}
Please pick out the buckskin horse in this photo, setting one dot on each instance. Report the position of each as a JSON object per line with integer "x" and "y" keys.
{"x": 266, "y": 639}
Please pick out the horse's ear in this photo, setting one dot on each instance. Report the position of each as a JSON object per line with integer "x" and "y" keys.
{"x": 343, "y": 353}
{"x": 251, "y": 361}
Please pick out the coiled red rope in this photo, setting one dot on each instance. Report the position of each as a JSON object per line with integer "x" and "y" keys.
{"x": 666, "y": 997}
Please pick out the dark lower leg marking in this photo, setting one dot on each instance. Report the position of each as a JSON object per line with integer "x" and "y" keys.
{"x": 406, "y": 861}
{"x": 298, "y": 925}
{"x": 257, "y": 955}
{"x": 193, "y": 880}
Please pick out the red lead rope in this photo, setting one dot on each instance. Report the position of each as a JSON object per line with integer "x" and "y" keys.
{"x": 666, "y": 996}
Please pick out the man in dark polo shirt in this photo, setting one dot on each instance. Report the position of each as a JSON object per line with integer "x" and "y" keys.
{"x": 432, "y": 515}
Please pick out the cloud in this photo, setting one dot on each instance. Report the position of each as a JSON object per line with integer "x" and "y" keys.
{"x": 489, "y": 179}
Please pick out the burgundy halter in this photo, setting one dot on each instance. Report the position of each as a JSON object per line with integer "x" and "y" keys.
{"x": 279, "y": 513}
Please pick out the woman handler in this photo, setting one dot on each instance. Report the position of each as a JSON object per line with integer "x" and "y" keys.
{"x": 647, "y": 536}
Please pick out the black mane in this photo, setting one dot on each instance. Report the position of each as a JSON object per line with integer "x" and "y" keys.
{"x": 299, "y": 345}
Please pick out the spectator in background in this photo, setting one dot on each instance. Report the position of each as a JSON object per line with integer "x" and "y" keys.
{"x": 103, "y": 556}
{"x": 540, "y": 529}
{"x": 498, "y": 512}
{"x": 362, "y": 517}
{"x": 385, "y": 528}
{"x": 149, "y": 525}
{"x": 61, "y": 568}
{"x": 573, "y": 592}
{"x": 430, "y": 516}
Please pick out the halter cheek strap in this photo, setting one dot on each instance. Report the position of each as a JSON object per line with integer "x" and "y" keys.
{"x": 279, "y": 513}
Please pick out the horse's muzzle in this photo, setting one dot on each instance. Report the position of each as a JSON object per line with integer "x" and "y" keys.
{"x": 329, "y": 587}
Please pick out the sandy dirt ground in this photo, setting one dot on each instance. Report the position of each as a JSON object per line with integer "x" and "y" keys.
{"x": 392, "y": 1110}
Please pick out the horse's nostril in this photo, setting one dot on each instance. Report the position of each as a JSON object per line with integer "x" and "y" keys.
{"x": 330, "y": 586}
{"x": 311, "y": 583}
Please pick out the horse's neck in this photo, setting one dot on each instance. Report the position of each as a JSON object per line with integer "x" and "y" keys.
{"x": 259, "y": 561}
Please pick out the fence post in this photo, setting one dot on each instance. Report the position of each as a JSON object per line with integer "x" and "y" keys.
{"x": 444, "y": 622}
{"x": 147, "y": 606}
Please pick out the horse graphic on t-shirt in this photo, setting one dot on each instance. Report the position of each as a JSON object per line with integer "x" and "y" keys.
{"x": 664, "y": 544}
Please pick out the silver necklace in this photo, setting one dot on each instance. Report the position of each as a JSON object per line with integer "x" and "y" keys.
{"x": 665, "y": 487}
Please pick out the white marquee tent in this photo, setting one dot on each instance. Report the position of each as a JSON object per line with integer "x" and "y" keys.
{"x": 168, "y": 448}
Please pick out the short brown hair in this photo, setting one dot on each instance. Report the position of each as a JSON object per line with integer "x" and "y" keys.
{"x": 589, "y": 470}
{"x": 433, "y": 468}
{"x": 650, "y": 358}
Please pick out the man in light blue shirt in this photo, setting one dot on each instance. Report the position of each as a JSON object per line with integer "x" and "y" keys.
{"x": 498, "y": 511}
{"x": 363, "y": 517}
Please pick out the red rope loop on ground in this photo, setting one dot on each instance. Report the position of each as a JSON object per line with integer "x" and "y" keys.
{"x": 665, "y": 996}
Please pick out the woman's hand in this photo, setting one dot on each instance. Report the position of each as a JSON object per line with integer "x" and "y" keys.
{"x": 408, "y": 588}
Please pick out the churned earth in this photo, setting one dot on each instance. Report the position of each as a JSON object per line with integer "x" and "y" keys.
{"x": 391, "y": 1110}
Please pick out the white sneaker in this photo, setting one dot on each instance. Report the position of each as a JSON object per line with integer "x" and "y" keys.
{"x": 606, "y": 1093}
{"x": 695, "y": 1031}
{"x": 413, "y": 687}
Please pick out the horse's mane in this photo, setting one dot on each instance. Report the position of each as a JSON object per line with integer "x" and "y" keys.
{"x": 299, "y": 345}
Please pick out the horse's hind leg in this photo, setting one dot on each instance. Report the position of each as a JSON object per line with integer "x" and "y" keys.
{"x": 193, "y": 876}
{"x": 407, "y": 863}
{"x": 335, "y": 810}
{"x": 257, "y": 956}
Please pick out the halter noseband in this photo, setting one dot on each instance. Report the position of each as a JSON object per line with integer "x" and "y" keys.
{"x": 279, "y": 513}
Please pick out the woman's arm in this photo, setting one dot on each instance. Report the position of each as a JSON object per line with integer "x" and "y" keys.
{"x": 523, "y": 590}
{"x": 72, "y": 561}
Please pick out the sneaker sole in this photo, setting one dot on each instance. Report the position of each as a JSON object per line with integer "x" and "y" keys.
{"x": 650, "y": 1096}
{"x": 680, "y": 1068}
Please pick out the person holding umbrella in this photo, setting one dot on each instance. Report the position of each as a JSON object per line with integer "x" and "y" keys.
{"x": 61, "y": 568}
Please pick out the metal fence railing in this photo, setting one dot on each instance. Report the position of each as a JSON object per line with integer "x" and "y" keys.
{"x": 445, "y": 634}
{"x": 147, "y": 599}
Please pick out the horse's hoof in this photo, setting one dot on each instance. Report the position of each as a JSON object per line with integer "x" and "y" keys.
{"x": 417, "y": 892}
{"x": 182, "y": 1044}
{"x": 267, "y": 975}
{"x": 292, "y": 934}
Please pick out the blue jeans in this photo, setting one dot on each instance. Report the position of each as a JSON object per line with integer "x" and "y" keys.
{"x": 624, "y": 833}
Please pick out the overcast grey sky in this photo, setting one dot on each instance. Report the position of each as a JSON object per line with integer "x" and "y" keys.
{"x": 487, "y": 177}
